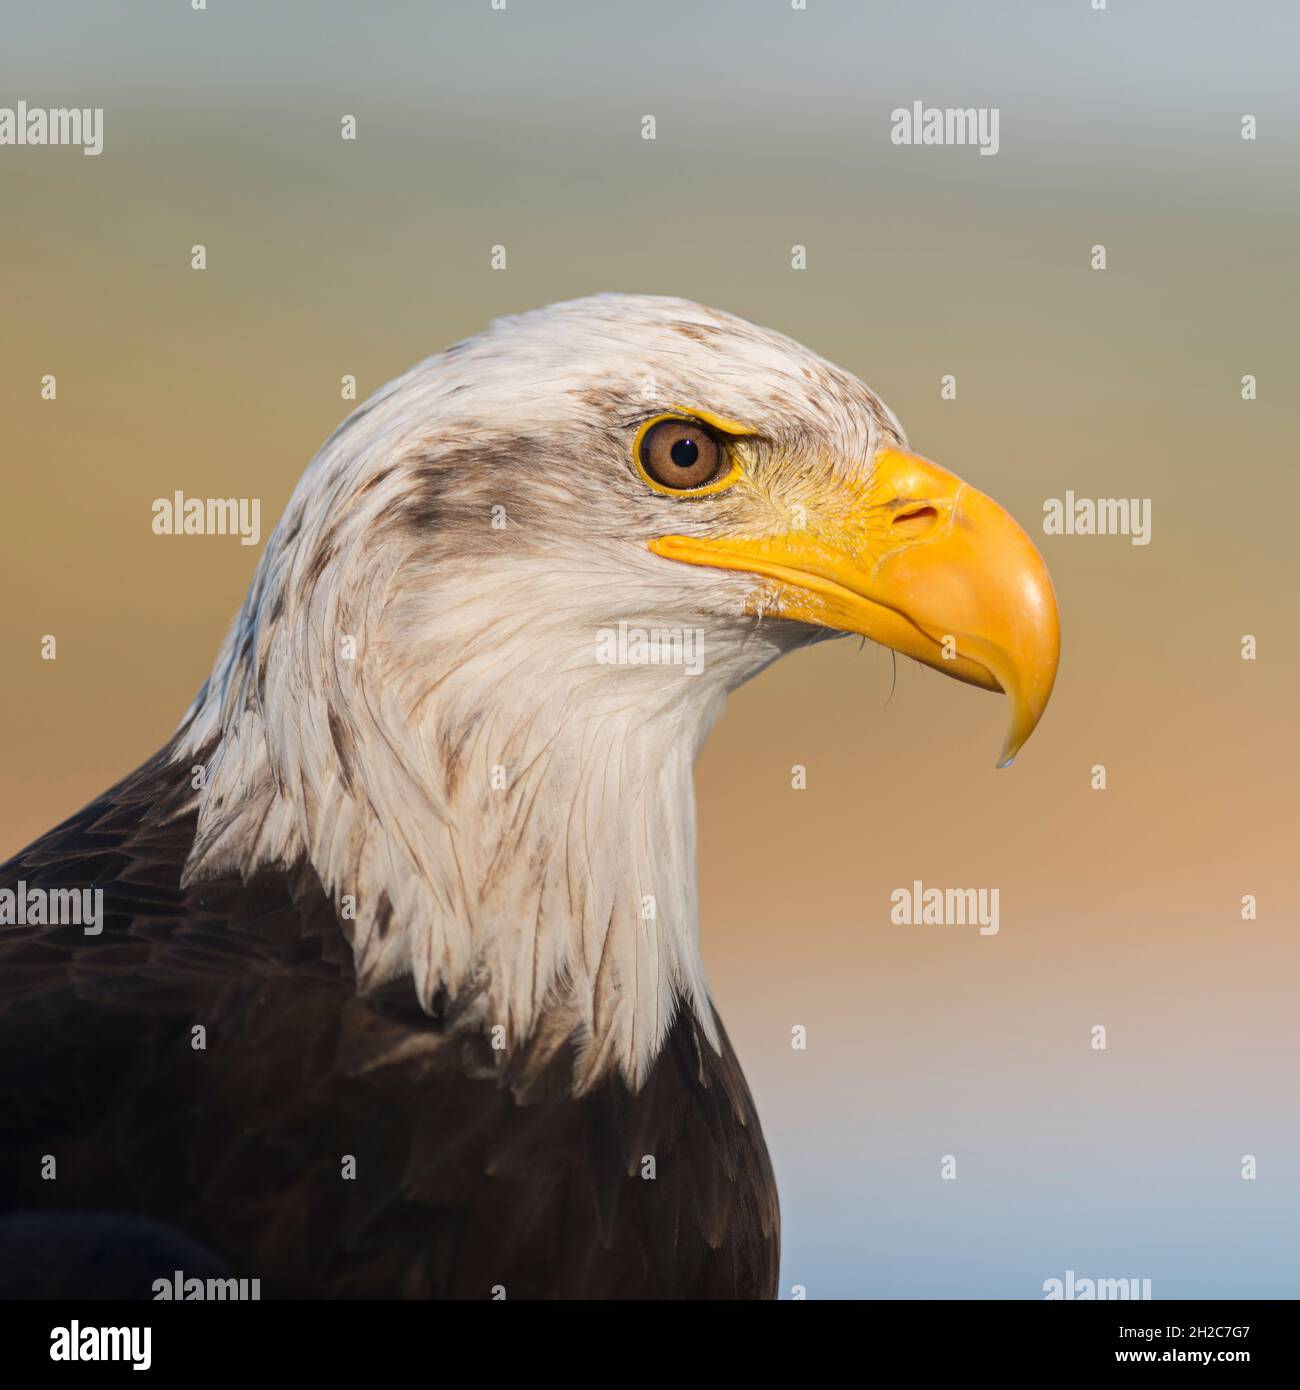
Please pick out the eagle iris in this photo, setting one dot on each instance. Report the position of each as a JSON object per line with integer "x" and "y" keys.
{"x": 682, "y": 454}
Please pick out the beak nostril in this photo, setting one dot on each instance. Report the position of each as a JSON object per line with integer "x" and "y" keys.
{"x": 916, "y": 520}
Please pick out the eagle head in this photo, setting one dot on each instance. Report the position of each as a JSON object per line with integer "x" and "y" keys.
{"x": 503, "y": 607}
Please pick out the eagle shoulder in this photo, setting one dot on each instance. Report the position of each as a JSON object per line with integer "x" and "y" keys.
{"x": 206, "y": 1062}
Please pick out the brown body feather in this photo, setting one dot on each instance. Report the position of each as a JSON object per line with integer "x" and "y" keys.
{"x": 471, "y": 1173}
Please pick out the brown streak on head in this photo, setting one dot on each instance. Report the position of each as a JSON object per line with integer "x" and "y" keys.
{"x": 383, "y": 915}
{"x": 698, "y": 332}
{"x": 342, "y": 747}
{"x": 602, "y": 400}
{"x": 319, "y": 564}
{"x": 418, "y": 507}
{"x": 375, "y": 480}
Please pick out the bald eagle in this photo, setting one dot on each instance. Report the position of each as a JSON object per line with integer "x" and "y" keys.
{"x": 397, "y": 989}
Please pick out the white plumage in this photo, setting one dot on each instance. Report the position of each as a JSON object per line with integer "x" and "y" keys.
{"x": 411, "y": 697}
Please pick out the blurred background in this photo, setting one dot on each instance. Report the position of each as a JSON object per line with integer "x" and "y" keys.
{"x": 522, "y": 127}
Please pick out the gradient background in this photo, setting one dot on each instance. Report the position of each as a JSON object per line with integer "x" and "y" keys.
{"x": 1120, "y": 907}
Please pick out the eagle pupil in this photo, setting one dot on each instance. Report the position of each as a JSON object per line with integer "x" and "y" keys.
{"x": 685, "y": 452}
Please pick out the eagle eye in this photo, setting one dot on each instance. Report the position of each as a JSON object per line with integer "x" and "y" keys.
{"x": 682, "y": 455}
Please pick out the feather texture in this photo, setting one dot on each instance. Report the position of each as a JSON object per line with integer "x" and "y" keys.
{"x": 471, "y": 1172}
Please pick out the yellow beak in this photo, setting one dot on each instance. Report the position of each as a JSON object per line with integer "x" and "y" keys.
{"x": 921, "y": 562}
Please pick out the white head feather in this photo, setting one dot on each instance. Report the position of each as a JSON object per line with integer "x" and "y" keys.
{"x": 411, "y": 697}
